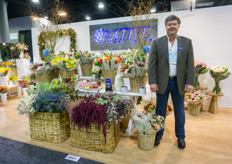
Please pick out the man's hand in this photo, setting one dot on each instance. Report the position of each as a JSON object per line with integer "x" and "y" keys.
{"x": 188, "y": 88}
{"x": 154, "y": 87}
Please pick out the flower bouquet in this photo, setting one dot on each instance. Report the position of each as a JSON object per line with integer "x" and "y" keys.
{"x": 12, "y": 66}
{"x": 218, "y": 74}
{"x": 3, "y": 89}
{"x": 13, "y": 79}
{"x": 25, "y": 106}
{"x": 3, "y": 71}
{"x": 44, "y": 72}
{"x": 200, "y": 68}
{"x": 65, "y": 64}
{"x": 108, "y": 63}
{"x": 96, "y": 71}
{"x": 3, "y": 74}
{"x": 127, "y": 56}
{"x": 24, "y": 82}
{"x": 86, "y": 60}
{"x": 147, "y": 125}
{"x": 22, "y": 47}
{"x": 194, "y": 100}
{"x": 3, "y": 92}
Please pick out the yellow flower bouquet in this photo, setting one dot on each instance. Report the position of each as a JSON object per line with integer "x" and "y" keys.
{"x": 65, "y": 63}
{"x": 3, "y": 71}
{"x": 13, "y": 78}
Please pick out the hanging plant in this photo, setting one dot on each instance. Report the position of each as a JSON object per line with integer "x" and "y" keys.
{"x": 58, "y": 33}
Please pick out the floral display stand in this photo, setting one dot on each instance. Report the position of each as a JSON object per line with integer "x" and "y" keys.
{"x": 213, "y": 108}
{"x": 23, "y": 67}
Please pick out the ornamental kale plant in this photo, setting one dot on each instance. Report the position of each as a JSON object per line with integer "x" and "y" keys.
{"x": 53, "y": 102}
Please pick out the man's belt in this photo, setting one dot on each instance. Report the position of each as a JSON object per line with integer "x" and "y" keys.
{"x": 172, "y": 77}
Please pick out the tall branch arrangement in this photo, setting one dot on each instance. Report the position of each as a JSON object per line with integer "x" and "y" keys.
{"x": 50, "y": 30}
{"x": 140, "y": 12}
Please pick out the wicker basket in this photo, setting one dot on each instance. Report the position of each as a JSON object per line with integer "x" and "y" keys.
{"x": 136, "y": 83}
{"x": 44, "y": 77}
{"x": 93, "y": 138}
{"x": 146, "y": 141}
{"x": 194, "y": 108}
{"x": 51, "y": 127}
{"x": 125, "y": 120}
{"x": 86, "y": 69}
{"x": 65, "y": 73}
{"x": 12, "y": 71}
{"x": 109, "y": 74}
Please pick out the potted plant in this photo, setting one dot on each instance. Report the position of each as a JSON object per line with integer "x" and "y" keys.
{"x": 3, "y": 92}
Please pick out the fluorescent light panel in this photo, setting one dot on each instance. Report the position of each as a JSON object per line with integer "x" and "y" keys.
{"x": 87, "y": 17}
{"x": 36, "y": 1}
{"x": 101, "y": 5}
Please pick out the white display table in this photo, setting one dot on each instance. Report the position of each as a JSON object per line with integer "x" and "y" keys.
{"x": 23, "y": 67}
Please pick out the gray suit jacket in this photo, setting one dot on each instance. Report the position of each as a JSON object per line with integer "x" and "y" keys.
{"x": 158, "y": 64}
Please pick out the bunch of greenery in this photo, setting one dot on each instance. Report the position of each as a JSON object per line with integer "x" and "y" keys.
{"x": 67, "y": 89}
{"x": 52, "y": 102}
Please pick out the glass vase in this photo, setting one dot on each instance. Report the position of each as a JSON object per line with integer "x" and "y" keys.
{"x": 196, "y": 82}
{"x": 217, "y": 88}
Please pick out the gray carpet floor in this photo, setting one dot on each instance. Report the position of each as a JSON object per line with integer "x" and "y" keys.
{"x": 14, "y": 152}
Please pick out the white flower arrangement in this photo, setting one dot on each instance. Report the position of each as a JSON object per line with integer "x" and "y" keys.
{"x": 25, "y": 106}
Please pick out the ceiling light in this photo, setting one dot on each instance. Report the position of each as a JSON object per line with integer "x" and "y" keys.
{"x": 101, "y": 5}
{"x": 36, "y": 1}
{"x": 62, "y": 13}
{"x": 87, "y": 17}
{"x": 153, "y": 10}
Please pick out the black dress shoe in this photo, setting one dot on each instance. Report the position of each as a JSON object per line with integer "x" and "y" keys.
{"x": 181, "y": 143}
{"x": 157, "y": 140}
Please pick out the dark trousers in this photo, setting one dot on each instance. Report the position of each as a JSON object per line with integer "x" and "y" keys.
{"x": 178, "y": 102}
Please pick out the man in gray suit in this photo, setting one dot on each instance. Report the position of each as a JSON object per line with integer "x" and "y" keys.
{"x": 171, "y": 69}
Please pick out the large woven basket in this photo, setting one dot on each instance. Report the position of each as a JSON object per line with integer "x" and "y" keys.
{"x": 146, "y": 141}
{"x": 65, "y": 73}
{"x": 51, "y": 127}
{"x": 86, "y": 69}
{"x": 93, "y": 138}
{"x": 109, "y": 74}
{"x": 136, "y": 83}
{"x": 12, "y": 71}
{"x": 44, "y": 77}
{"x": 194, "y": 108}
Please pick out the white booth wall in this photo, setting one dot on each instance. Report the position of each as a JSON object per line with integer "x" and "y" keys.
{"x": 209, "y": 29}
